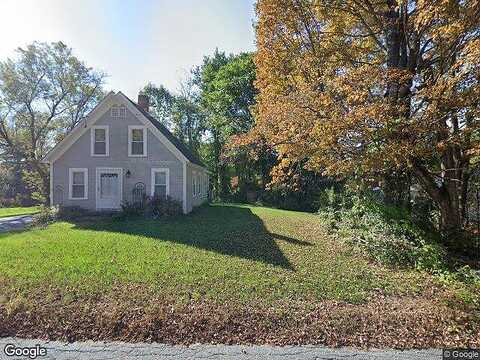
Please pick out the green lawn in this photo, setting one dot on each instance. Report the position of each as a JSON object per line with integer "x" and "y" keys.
{"x": 15, "y": 211}
{"x": 219, "y": 252}
{"x": 226, "y": 273}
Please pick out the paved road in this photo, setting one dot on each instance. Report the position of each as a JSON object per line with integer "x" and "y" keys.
{"x": 14, "y": 222}
{"x": 115, "y": 350}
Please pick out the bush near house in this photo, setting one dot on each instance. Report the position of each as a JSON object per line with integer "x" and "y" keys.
{"x": 158, "y": 206}
{"x": 152, "y": 207}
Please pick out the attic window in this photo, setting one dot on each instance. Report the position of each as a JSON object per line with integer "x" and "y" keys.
{"x": 118, "y": 111}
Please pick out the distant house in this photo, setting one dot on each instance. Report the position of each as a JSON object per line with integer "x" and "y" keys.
{"x": 119, "y": 150}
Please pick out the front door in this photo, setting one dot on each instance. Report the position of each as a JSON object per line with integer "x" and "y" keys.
{"x": 109, "y": 188}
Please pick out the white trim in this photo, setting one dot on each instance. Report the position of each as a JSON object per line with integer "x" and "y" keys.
{"x": 99, "y": 170}
{"x": 70, "y": 183}
{"x": 197, "y": 182}
{"x": 145, "y": 133}
{"x": 152, "y": 180}
{"x": 142, "y": 118}
{"x": 101, "y": 108}
{"x": 184, "y": 188}
{"x": 198, "y": 167}
{"x": 80, "y": 129}
{"x": 121, "y": 111}
{"x": 51, "y": 184}
{"x": 194, "y": 184}
{"x": 107, "y": 140}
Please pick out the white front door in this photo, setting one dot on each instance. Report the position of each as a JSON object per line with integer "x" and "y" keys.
{"x": 109, "y": 188}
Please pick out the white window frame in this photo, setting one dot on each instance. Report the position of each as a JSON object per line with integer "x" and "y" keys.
{"x": 122, "y": 111}
{"x": 118, "y": 111}
{"x": 107, "y": 140}
{"x": 194, "y": 184}
{"x": 114, "y": 111}
{"x": 130, "y": 130}
{"x": 167, "y": 179}
{"x": 70, "y": 183}
{"x": 204, "y": 185}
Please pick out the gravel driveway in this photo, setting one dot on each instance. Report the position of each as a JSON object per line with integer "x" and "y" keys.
{"x": 15, "y": 222}
{"x": 116, "y": 350}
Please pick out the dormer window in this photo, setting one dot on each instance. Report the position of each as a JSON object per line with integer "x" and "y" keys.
{"x": 118, "y": 111}
{"x": 100, "y": 141}
{"x": 137, "y": 141}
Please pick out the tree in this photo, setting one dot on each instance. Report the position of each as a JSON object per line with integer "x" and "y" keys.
{"x": 180, "y": 113}
{"x": 227, "y": 95}
{"x": 370, "y": 87}
{"x": 161, "y": 101}
{"x": 188, "y": 117}
{"x": 44, "y": 93}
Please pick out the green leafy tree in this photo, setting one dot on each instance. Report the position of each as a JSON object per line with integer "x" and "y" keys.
{"x": 44, "y": 93}
{"x": 187, "y": 116}
{"x": 227, "y": 95}
{"x": 181, "y": 113}
{"x": 161, "y": 102}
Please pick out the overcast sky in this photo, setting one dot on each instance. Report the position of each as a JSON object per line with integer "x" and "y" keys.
{"x": 134, "y": 41}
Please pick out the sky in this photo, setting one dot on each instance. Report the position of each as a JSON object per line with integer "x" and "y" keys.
{"x": 133, "y": 41}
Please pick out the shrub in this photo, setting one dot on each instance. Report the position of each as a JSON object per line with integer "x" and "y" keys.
{"x": 332, "y": 200}
{"x": 8, "y": 202}
{"x": 468, "y": 275}
{"x": 384, "y": 232}
{"x": 130, "y": 209}
{"x": 159, "y": 206}
{"x": 382, "y": 240}
{"x": 72, "y": 213}
{"x": 45, "y": 216}
{"x": 431, "y": 257}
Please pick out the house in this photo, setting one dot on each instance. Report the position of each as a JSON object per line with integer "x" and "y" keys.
{"x": 119, "y": 150}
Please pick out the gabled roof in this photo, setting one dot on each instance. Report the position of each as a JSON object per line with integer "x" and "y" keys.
{"x": 172, "y": 138}
{"x": 176, "y": 144}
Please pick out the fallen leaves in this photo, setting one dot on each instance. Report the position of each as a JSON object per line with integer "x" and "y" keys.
{"x": 128, "y": 315}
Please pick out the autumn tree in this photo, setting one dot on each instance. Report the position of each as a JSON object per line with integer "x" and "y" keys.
{"x": 370, "y": 87}
{"x": 44, "y": 93}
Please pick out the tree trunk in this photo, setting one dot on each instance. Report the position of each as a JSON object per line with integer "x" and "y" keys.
{"x": 221, "y": 186}
{"x": 446, "y": 196}
{"x": 448, "y": 192}
{"x": 450, "y": 219}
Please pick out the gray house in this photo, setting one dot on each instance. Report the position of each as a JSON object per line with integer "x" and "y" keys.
{"x": 119, "y": 150}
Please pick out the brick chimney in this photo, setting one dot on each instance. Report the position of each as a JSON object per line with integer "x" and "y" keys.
{"x": 144, "y": 102}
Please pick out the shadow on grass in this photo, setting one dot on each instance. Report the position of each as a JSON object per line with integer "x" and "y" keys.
{"x": 228, "y": 230}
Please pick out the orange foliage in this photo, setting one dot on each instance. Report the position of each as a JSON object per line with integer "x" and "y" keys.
{"x": 363, "y": 86}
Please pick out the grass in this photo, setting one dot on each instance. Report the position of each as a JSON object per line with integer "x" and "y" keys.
{"x": 225, "y": 273}
{"x": 17, "y": 211}
{"x": 219, "y": 252}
